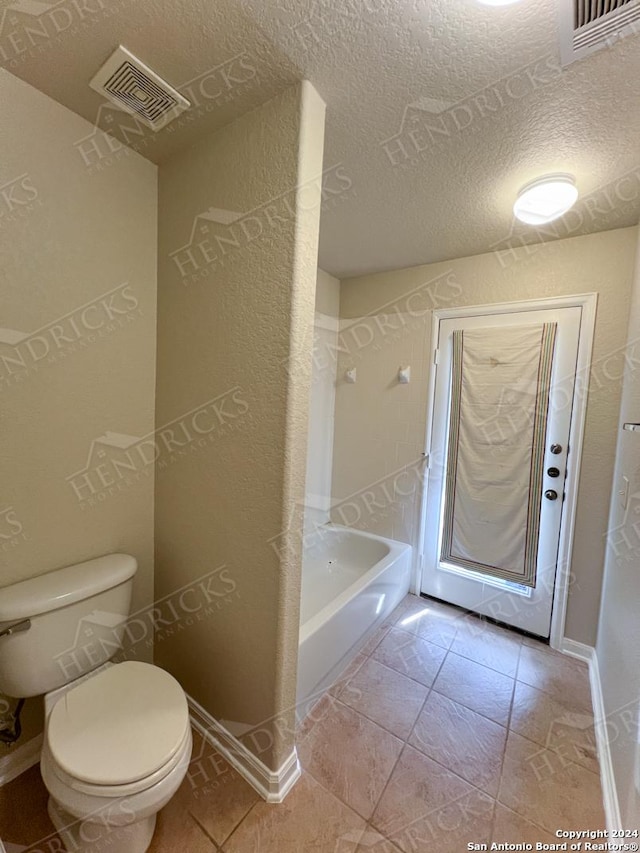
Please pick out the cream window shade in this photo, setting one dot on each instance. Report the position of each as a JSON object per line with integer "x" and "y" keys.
{"x": 497, "y": 435}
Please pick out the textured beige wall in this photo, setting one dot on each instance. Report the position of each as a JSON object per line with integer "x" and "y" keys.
{"x": 618, "y": 646}
{"x": 75, "y": 363}
{"x": 236, "y": 322}
{"x": 383, "y": 424}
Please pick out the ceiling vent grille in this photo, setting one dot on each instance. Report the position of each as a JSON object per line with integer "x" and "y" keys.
{"x": 589, "y": 25}
{"x": 135, "y": 88}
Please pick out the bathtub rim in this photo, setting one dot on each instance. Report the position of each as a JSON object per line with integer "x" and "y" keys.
{"x": 396, "y": 550}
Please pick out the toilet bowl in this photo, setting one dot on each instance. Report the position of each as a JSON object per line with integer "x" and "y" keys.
{"x": 116, "y": 749}
{"x": 117, "y": 740}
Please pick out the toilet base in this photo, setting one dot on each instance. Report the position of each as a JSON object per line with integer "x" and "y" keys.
{"x": 97, "y": 835}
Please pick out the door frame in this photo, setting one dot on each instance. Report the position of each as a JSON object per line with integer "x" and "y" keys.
{"x": 588, "y": 302}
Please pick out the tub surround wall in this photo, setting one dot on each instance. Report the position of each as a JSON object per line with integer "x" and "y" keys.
{"x": 380, "y": 425}
{"x": 618, "y": 646}
{"x": 231, "y": 499}
{"x": 322, "y": 405}
{"x": 77, "y": 351}
{"x": 327, "y": 294}
{"x": 377, "y": 455}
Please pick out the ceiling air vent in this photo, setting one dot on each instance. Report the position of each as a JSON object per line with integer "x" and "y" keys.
{"x": 132, "y": 86}
{"x": 589, "y": 25}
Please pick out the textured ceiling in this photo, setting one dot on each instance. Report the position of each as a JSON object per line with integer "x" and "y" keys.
{"x": 438, "y": 110}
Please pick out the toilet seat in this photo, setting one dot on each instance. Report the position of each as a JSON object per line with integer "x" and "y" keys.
{"x": 182, "y": 756}
{"x": 120, "y": 731}
{"x": 93, "y": 807}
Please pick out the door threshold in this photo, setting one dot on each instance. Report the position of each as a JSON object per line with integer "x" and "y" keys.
{"x": 482, "y": 618}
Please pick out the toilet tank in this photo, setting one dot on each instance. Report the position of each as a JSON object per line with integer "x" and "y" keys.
{"x": 77, "y": 617}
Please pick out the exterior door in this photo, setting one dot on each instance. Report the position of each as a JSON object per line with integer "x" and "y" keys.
{"x": 503, "y": 399}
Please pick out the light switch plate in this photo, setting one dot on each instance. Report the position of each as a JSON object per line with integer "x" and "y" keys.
{"x": 623, "y": 491}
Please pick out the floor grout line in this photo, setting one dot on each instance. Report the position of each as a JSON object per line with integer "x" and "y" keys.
{"x": 370, "y": 720}
{"x": 446, "y": 767}
{"x": 541, "y": 747}
{"x": 506, "y": 741}
{"x": 469, "y": 708}
{"x": 406, "y": 740}
{"x": 570, "y": 707}
{"x": 203, "y": 828}
{"x": 439, "y": 808}
{"x": 406, "y": 743}
{"x": 335, "y": 795}
{"x": 239, "y": 824}
{"x": 391, "y": 669}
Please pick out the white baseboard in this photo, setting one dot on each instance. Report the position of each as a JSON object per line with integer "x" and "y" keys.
{"x": 581, "y": 651}
{"x": 272, "y": 786}
{"x": 20, "y": 759}
{"x": 609, "y": 792}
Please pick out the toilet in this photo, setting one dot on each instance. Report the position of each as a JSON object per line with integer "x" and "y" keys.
{"x": 117, "y": 740}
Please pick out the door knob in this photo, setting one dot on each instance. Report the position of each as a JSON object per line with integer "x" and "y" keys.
{"x": 551, "y": 495}
{"x": 556, "y": 448}
{"x": 553, "y": 472}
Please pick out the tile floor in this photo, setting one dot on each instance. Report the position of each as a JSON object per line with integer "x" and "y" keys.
{"x": 444, "y": 730}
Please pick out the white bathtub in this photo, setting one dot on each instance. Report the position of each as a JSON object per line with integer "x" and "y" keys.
{"x": 351, "y": 581}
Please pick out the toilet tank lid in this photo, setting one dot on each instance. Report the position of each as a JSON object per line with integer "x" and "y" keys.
{"x": 64, "y": 586}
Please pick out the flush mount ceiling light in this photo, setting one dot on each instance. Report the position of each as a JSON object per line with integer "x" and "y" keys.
{"x": 545, "y": 199}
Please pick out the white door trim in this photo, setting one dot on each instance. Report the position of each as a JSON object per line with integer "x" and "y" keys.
{"x": 588, "y": 302}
